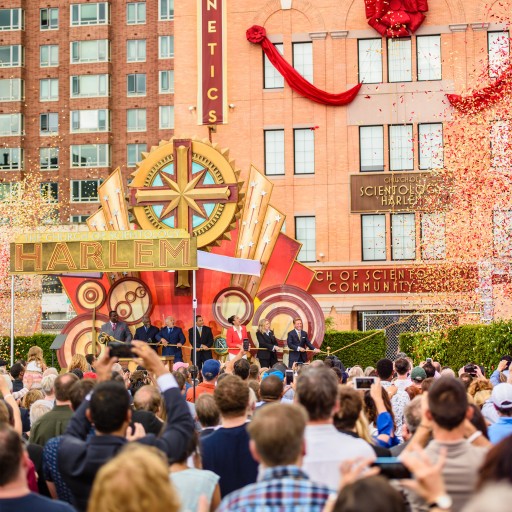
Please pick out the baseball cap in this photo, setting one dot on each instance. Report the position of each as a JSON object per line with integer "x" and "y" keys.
{"x": 501, "y": 396}
{"x": 177, "y": 366}
{"x": 418, "y": 374}
{"x": 211, "y": 368}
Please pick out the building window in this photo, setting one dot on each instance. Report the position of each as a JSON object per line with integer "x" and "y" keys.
{"x": 89, "y": 14}
{"x": 12, "y": 89}
{"x": 49, "y": 18}
{"x": 501, "y": 159}
{"x": 84, "y": 191}
{"x": 303, "y": 59}
{"x": 401, "y": 148}
{"x": 96, "y": 50}
{"x": 373, "y": 237}
{"x": 49, "y": 89}
{"x": 50, "y": 191}
{"x": 136, "y": 84}
{"x": 274, "y": 152}
{"x": 305, "y": 233}
{"x": 304, "y": 151}
{"x": 11, "y": 124}
{"x": 136, "y": 13}
{"x": 78, "y": 219}
{"x": 48, "y": 158}
{"x": 49, "y": 123}
{"x": 371, "y": 148}
{"x": 165, "y": 47}
{"x": 11, "y": 19}
{"x": 134, "y": 153}
{"x": 272, "y": 79}
{"x": 166, "y": 117}
{"x": 49, "y": 55}
{"x": 430, "y": 142}
{"x": 86, "y": 86}
{"x": 502, "y": 227}
{"x": 136, "y": 50}
{"x": 433, "y": 236}
{"x": 403, "y": 236}
{"x": 11, "y": 56}
{"x": 428, "y": 59}
{"x": 8, "y": 190}
{"x": 498, "y": 48}
{"x": 136, "y": 119}
{"x": 165, "y": 10}
{"x": 166, "y": 82}
{"x": 370, "y": 60}
{"x": 90, "y": 155}
{"x": 11, "y": 159}
{"x": 89, "y": 121}
{"x": 399, "y": 60}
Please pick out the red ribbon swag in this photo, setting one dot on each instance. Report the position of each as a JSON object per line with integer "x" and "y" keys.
{"x": 298, "y": 83}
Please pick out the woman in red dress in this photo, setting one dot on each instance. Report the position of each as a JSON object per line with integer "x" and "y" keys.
{"x": 236, "y": 334}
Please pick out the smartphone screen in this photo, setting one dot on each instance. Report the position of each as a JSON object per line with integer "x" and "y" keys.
{"x": 392, "y": 468}
{"x": 364, "y": 382}
{"x": 246, "y": 344}
{"x": 289, "y": 377}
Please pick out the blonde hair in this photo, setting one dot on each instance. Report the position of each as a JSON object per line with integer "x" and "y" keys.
{"x": 35, "y": 353}
{"x": 261, "y": 323}
{"x": 115, "y": 489}
{"x": 32, "y": 396}
{"x": 78, "y": 361}
{"x": 362, "y": 428}
{"x": 355, "y": 371}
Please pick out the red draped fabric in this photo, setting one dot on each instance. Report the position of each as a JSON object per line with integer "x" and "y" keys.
{"x": 298, "y": 83}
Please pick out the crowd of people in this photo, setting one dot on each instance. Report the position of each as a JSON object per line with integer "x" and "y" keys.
{"x": 236, "y": 436}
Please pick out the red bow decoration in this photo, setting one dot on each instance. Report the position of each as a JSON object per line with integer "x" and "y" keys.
{"x": 297, "y": 82}
{"x": 395, "y": 18}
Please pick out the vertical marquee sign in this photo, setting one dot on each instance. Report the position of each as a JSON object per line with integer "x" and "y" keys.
{"x": 212, "y": 103}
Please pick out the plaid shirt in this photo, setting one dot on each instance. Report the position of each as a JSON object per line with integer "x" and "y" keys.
{"x": 280, "y": 489}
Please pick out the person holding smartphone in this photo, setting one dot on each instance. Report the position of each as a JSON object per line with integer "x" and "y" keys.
{"x": 235, "y": 336}
{"x": 268, "y": 342}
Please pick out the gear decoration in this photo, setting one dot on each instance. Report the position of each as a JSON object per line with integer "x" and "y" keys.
{"x": 131, "y": 299}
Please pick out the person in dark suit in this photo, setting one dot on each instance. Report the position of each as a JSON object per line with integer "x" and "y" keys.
{"x": 147, "y": 332}
{"x": 297, "y": 342}
{"x": 204, "y": 341}
{"x": 266, "y": 340}
{"x": 171, "y": 335}
{"x": 117, "y": 329}
{"x": 80, "y": 455}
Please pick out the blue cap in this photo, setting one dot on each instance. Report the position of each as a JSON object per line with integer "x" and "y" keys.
{"x": 211, "y": 368}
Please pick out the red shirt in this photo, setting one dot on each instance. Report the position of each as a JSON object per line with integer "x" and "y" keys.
{"x": 203, "y": 387}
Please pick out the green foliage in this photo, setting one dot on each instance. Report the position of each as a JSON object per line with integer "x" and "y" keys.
{"x": 364, "y": 353}
{"x": 458, "y": 346}
{"x": 329, "y": 324}
{"x": 23, "y": 343}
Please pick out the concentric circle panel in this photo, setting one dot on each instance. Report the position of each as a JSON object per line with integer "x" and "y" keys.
{"x": 232, "y": 301}
{"x": 131, "y": 298}
{"x": 91, "y": 295}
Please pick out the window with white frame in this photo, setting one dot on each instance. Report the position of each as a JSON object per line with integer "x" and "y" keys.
{"x": 136, "y": 13}
{"x": 89, "y": 121}
{"x": 90, "y": 155}
{"x": 136, "y": 120}
{"x": 49, "y": 18}
{"x": 50, "y": 191}
{"x": 401, "y": 148}
{"x": 136, "y": 84}
{"x": 84, "y": 191}
{"x": 373, "y": 237}
{"x": 89, "y": 14}
{"x": 165, "y": 47}
{"x": 49, "y": 55}
{"x": 11, "y": 124}
{"x": 78, "y": 219}
{"x": 371, "y": 148}
{"x": 12, "y": 89}
{"x": 136, "y": 50}
{"x": 305, "y": 233}
{"x": 304, "y": 151}
{"x": 500, "y": 137}
{"x": 303, "y": 59}
{"x": 272, "y": 79}
{"x": 87, "y": 86}
{"x": 95, "y": 50}
{"x": 11, "y": 159}
{"x": 399, "y": 60}
{"x": 8, "y": 190}
{"x": 48, "y": 158}
{"x": 428, "y": 57}
{"x": 165, "y": 10}
{"x": 166, "y": 82}
{"x": 11, "y": 19}
{"x": 274, "y": 152}
{"x": 433, "y": 236}
{"x": 403, "y": 236}
{"x": 134, "y": 153}
{"x": 49, "y": 89}
{"x": 49, "y": 123}
{"x": 498, "y": 48}
{"x": 11, "y": 56}
{"x": 370, "y": 60}
{"x": 166, "y": 117}
{"x": 430, "y": 142}
{"x": 502, "y": 231}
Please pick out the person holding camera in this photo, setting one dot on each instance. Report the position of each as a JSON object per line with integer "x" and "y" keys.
{"x": 268, "y": 343}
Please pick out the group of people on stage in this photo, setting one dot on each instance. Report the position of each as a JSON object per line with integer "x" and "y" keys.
{"x": 172, "y": 339}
